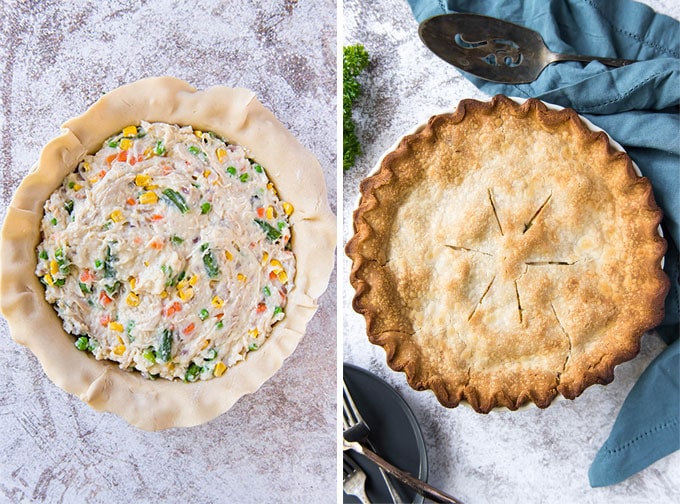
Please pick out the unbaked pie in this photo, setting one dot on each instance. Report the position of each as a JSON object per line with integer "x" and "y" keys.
{"x": 180, "y": 234}
{"x": 505, "y": 253}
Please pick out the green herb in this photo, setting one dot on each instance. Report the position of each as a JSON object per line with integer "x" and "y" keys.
{"x": 165, "y": 346}
{"x": 176, "y": 239}
{"x": 84, "y": 288}
{"x": 176, "y": 199}
{"x": 113, "y": 143}
{"x": 354, "y": 61}
{"x": 205, "y": 208}
{"x": 60, "y": 282}
{"x": 98, "y": 264}
{"x": 82, "y": 343}
{"x": 272, "y": 232}
{"x": 193, "y": 372}
{"x": 64, "y": 267}
{"x": 266, "y": 291}
{"x": 203, "y": 314}
{"x": 159, "y": 149}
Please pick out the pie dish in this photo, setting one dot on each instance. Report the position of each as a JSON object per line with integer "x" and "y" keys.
{"x": 169, "y": 228}
{"x": 505, "y": 253}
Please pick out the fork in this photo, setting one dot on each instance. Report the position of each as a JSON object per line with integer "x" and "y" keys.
{"x": 353, "y": 479}
{"x": 356, "y": 429}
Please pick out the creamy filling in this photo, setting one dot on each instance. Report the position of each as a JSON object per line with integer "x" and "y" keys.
{"x": 167, "y": 251}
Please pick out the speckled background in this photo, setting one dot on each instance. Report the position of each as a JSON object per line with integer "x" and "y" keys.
{"x": 277, "y": 445}
{"x": 527, "y": 456}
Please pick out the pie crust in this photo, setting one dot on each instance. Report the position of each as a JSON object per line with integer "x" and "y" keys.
{"x": 505, "y": 253}
{"x": 234, "y": 114}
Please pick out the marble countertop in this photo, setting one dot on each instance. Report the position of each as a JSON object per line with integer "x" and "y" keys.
{"x": 527, "y": 456}
{"x": 58, "y": 58}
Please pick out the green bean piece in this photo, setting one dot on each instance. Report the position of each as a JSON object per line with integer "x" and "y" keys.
{"x": 69, "y": 206}
{"x": 84, "y": 288}
{"x": 193, "y": 372}
{"x": 176, "y": 199}
{"x": 176, "y": 239}
{"x": 272, "y": 232}
{"x": 150, "y": 355}
{"x": 159, "y": 149}
{"x": 109, "y": 259}
{"x": 165, "y": 346}
{"x": 210, "y": 264}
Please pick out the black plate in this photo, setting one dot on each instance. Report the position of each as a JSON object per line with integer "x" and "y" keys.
{"x": 395, "y": 434}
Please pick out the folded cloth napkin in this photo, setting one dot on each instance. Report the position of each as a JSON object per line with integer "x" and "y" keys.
{"x": 638, "y": 106}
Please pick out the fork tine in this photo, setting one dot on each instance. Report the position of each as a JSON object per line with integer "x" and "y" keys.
{"x": 348, "y": 407}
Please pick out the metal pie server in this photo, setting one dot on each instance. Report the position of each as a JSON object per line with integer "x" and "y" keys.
{"x": 494, "y": 49}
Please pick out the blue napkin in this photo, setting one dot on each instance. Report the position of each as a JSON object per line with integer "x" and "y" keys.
{"x": 638, "y": 106}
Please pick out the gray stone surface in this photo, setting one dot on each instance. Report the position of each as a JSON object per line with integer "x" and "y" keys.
{"x": 276, "y": 445}
{"x": 526, "y": 456}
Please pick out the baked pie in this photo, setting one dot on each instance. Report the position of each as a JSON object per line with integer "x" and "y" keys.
{"x": 165, "y": 254}
{"x": 506, "y": 253}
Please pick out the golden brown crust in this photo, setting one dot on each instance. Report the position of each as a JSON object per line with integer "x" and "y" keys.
{"x": 506, "y": 253}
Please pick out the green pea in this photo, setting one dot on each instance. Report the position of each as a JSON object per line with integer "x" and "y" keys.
{"x": 82, "y": 343}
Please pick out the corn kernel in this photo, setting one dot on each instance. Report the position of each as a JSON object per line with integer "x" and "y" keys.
{"x": 283, "y": 276}
{"x": 217, "y": 302}
{"x": 253, "y": 333}
{"x": 276, "y": 265}
{"x": 133, "y": 283}
{"x": 198, "y": 133}
{"x": 186, "y": 294}
{"x": 86, "y": 166}
{"x": 205, "y": 344}
{"x": 270, "y": 186}
{"x": 265, "y": 258}
{"x": 142, "y": 180}
{"x": 116, "y": 216}
{"x": 221, "y": 154}
{"x": 220, "y": 368}
{"x": 77, "y": 187}
{"x": 206, "y": 173}
{"x": 287, "y": 208}
{"x": 146, "y": 263}
{"x": 148, "y": 152}
{"x": 148, "y": 198}
{"x": 270, "y": 212}
{"x": 125, "y": 144}
{"x": 119, "y": 350}
{"x": 182, "y": 284}
{"x": 241, "y": 277}
{"x": 164, "y": 294}
{"x": 193, "y": 280}
{"x": 116, "y": 326}
{"x": 54, "y": 267}
{"x": 228, "y": 255}
{"x": 132, "y": 299}
{"x": 48, "y": 279}
{"x": 93, "y": 180}
{"x": 130, "y": 131}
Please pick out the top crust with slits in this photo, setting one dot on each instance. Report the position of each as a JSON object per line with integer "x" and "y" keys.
{"x": 505, "y": 253}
